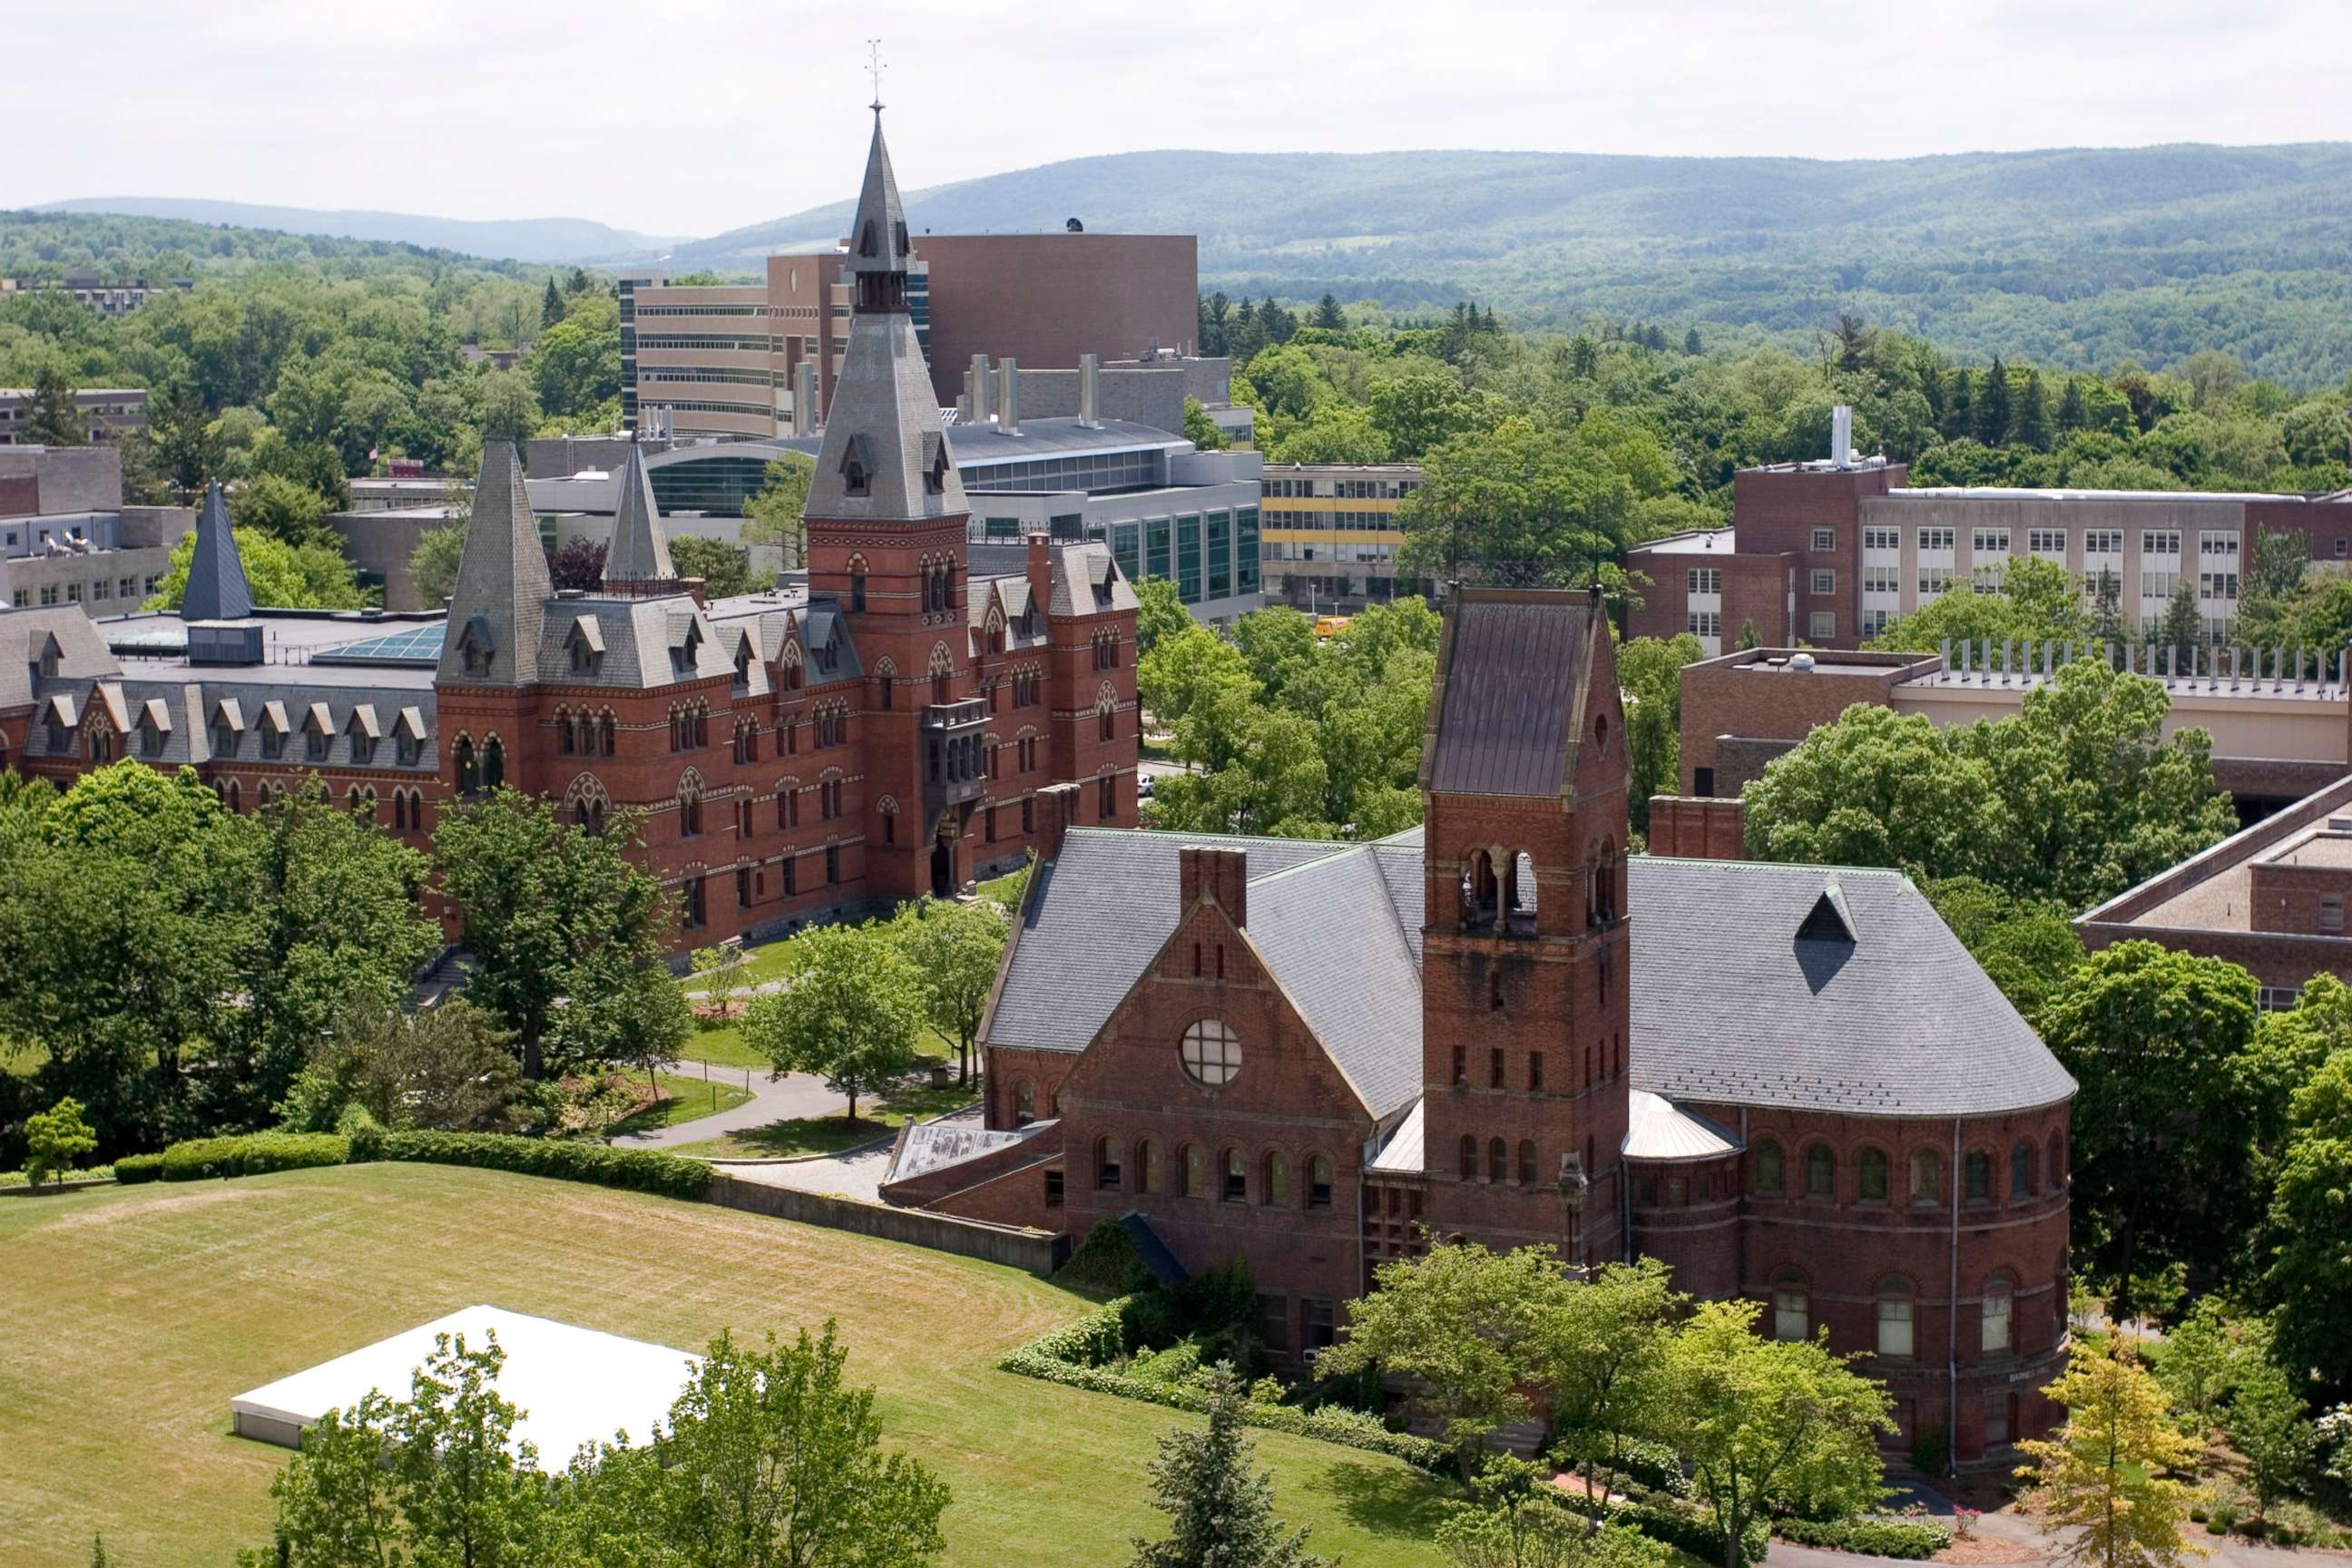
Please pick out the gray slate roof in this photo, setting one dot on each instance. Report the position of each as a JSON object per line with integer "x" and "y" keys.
{"x": 27, "y": 633}
{"x": 502, "y": 588}
{"x": 217, "y": 590}
{"x": 884, "y": 248}
{"x": 639, "y": 552}
{"x": 1730, "y": 1007}
{"x": 1509, "y": 702}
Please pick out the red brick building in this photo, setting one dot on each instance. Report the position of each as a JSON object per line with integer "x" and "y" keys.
{"x": 879, "y": 727}
{"x": 1791, "y": 1083}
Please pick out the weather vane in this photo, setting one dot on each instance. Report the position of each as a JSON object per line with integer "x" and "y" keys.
{"x": 873, "y": 69}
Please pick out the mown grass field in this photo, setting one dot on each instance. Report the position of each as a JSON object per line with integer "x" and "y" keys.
{"x": 134, "y": 1314}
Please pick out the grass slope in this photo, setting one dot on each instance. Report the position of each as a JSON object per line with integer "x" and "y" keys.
{"x": 134, "y": 1314}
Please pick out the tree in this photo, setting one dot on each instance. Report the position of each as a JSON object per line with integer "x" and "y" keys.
{"x": 1603, "y": 1352}
{"x": 1879, "y": 788}
{"x": 2161, "y": 1043}
{"x": 1328, "y": 314}
{"x": 2029, "y": 421}
{"x": 281, "y": 509}
{"x": 2183, "y": 627}
{"x": 1466, "y": 1326}
{"x": 1203, "y": 432}
{"x": 434, "y": 562}
{"x": 52, "y": 418}
{"x": 725, "y": 569}
{"x": 560, "y": 922}
{"x": 1516, "y": 1524}
{"x": 1519, "y": 505}
{"x": 574, "y": 369}
{"x": 284, "y": 576}
{"x": 2269, "y": 1425}
{"x": 506, "y": 407}
{"x": 954, "y": 948}
{"x": 449, "y": 1069}
{"x": 552, "y": 312}
{"x": 2099, "y": 1483}
{"x": 851, "y": 1011}
{"x": 1160, "y": 614}
{"x": 1991, "y": 418}
{"x": 2025, "y": 946}
{"x": 1649, "y": 677}
{"x": 1691, "y": 345}
{"x": 1220, "y": 1508}
{"x": 721, "y": 964}
{"x": 2309, "y": 1276}
{"x": 773, "y": 515}
{"x": 2107, "y": 609}
{"x": 2197, "y": 1365}
{"x": 773, "y": 1459}
{"x": 184, "y": 445}
{"x": 2038, "y": 603}
{"x": 55, "y": 1139}
{"x": 576, "y": 564}
{"x": 1769, "y": 1423}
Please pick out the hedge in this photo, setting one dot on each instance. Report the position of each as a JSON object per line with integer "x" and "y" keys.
{"x": 1685, "y": 1528}
{"x": 1909, "y": 1538}
{"x": 636, "y": 1170}
{"x": 134, "y": 1168}
{"x": 253, "y": 1154}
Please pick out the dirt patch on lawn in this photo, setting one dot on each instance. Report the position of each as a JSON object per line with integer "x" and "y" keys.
{"x": 118, "y": 1212}
{"x": 1982, "y": 1549}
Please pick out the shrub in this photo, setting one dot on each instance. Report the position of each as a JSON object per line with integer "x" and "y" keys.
{"x": 1929, "y": 1453}
{"x": 253, "y": 1154}
{"x": 1106, "y": 1261}
{"x": 134, "y": 1168}
{"x": 363, "y": 1131}
{"x": 1674, "y": 1523}
{"x": 1908, "y": 1538}
{"x": 2221, "y": 1517}
{"x": 636, "y": 1169}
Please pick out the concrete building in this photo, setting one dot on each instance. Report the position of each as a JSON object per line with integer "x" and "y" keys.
{"x": 734, "y": 359}
{"x": 1498, "y": 1028}
{"x": 103, "y": 411}
{"x": 117, "y": 298}
{"x": 1331, "y": 536}
{"x": 2270, "y": 899}
{"x": 66, "y": 537}
{"x": 1827, "y": 553}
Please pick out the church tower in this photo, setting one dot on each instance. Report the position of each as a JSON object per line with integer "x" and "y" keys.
{"x": 886, "y": 515}
{"x": 1525, "y": 961}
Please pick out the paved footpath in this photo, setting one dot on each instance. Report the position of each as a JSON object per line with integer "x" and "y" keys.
{"x": 785, "y": 1099}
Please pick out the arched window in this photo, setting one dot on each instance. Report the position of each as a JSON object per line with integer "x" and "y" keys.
{"x": 1498, "y": 1161}
{"x": 1318, "y": 1181}
{"x": 566, "y": 739}
{"x": 1106, "y": 1171}
{"x": 1769, "y": 1175}
{"x": 1821, "y": 1172}
{"x": 1234, "y": 1166}
{"x": 606, "y": 735}
{"x": 1149, "y": 1177}
{"x": 942, "y": 672}
{"x": 1212, "y": 1051}
{"x": 1894, "y": 1316}
{"x": 856, "y": 587}
{"x": 1999, "y": 1310}
{"x": 1024, "y": 1101}
{"x": 1870, "y": 1176}
{"x": 1469, "y": 1158}
{"x": 689, "y": 805}
{"x": 2021, "y": 1169}
{"x": 494, "y": 763}
{"x": 1480, "y": 889}
{"x": 1275, "y": 1191}
{"x": 1195, "y": 1172}
{"x": 2057, "y": 1165}
{"x": 1977, "y": 1180}
{"x": 1927, "y": 1176}
{"x": 469, "y": 777}
{"x": 1793, "y": 1310}
{"x": 1527, "y": 1161}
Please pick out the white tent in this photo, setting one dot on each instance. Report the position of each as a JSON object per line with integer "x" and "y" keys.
{"x": 574, "y": 1385}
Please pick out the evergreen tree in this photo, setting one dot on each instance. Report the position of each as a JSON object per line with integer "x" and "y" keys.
{"x": 1327, "y": 313}
{"x": 1991, "y": 422}
{"x": 2107, "y": 609}
{"x": 1957, "y": 416}
{"x": 1216, "y": 316}
{"x": 182, "y": 437}
{"x": 551, "y": 309}
{"x": 2183, "y": 627}
{"x": 2072, "y": 413}
{"x": 2029, "y": 426}
{"x": 51, "y": 419}
{"x": 579, "y": 282}
{"x": 1220, "y": 1511}
{"x": 1691, "y": 344}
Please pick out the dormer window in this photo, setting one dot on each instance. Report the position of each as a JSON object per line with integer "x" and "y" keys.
{"x": 935, "y": 472}
{"x": 474, "y": 648}
{"x": 224, "y": 739}
{"x": 150, "y": 739}
{"x": 856, "y": 468}
{"x": 583, "y": 657}
{"x": 868, "y": 241}
{"x": 404, "y": 747}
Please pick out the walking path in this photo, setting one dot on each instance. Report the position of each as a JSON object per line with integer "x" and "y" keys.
{"x": 852, "y": 1174}
{"x": 787, "y": 1099}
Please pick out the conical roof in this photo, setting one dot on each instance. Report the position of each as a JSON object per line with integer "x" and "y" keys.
{"x": 499, "y": 604}
{"x": 217, "y": 590}
{"x": 639, "y": 552}
{"x": 877, "y": 235}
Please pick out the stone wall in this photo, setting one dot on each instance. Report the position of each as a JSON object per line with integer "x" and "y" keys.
{"x": 1038, "y": 1252}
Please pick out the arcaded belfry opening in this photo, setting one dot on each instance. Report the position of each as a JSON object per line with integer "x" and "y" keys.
{"x": 574, "y": 1386}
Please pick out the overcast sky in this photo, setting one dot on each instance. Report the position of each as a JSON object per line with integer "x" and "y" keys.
{"x": 687, "y": 117}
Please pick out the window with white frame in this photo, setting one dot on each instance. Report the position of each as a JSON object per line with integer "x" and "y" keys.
{"x": 1873, "y": 622}
{"x": 1824, "y": 580}
{"x": 2216, "y": 585}
{"x": 1823, "y": 625}
{"x": 2160, "y": 542}
{"x": 1882, "y": 579}
{"x": 1881, "y": 539}
{"x": 1825, "y": 539}
{"x": 1934, "y": 580}
{"x": 1706, "y": 580}
{"x": 2159, "y": 585}
{"x": 2103, "y": 541}
{"x": 1991, "y": 541}
{"x": 1705, "y": 623}
{"x": 1934, "y": 539}
{"x": 2050, "y": 542}
{"x": 2217, "y": 541}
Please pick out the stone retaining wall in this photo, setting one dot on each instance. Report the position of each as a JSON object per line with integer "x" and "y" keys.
{"x": 1038, "y": 1252}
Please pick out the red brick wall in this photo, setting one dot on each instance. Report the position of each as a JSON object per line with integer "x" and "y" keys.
{"x": 1045, "y": 298}
{"x": 1776, "y": 511}
{"x": 2285, "y": 898}
{"x": 1697, "y": 827}
{"x": 1721, "y": 697}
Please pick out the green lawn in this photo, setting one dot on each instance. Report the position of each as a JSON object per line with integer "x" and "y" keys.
{"x": 831, "y": 1134}
{"x": 688, "y": 1099}
{"x": 135, "y": 1314}
{"x": 722, "y": 1046}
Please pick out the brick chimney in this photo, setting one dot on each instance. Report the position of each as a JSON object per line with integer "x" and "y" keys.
{"x": 1219, "y": 872}
{"x": 1057, "y": 808}
{"x": 1041, "y": 573}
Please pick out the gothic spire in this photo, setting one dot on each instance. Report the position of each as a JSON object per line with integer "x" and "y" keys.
{"x": 217, "y": 590}
{"x": 499, "y": 604}
{"x": 639, "y": 552}
{"x": 877, "y": 235}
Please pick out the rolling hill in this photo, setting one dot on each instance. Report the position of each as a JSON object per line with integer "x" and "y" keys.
{"x": 538, "y": 239}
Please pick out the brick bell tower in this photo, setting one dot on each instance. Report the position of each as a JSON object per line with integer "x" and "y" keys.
{"x": 886, "y": 515}
{"x": 1524, "y": 972}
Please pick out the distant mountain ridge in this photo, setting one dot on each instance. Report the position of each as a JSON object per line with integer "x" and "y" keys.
{"x": 536, "y": 239}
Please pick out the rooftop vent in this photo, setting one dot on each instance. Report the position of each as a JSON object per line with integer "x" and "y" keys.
{"x": 1829, "y": 920}
{"x": 1801, "y": 663}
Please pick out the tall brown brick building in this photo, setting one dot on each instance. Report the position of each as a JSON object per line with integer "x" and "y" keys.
{"x": 1791, "y": 1083}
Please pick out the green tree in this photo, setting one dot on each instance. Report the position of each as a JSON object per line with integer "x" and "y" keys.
{"x": 1160, "y": 614}
{"x": 552, "y": 312}
{"x": 283, "y": 510}
{"x": 1468, "y": 1328}
{"x": 851, "y": 1012}
{"x": 2309, "y": 1274}
{"x": 433, "y": 562}
{"x": 55, "y": 1139}
{"x": 2197, "y": 1363}
{"x": 1328, "y": 314}
{"x": 1203, "y": 432}
{"x": 184, "y": 445}
{"x": 2038, "y": 603}
{"x": 1879, "y": 788}
{"x": 1220, "y": 1507}
{"x": 1991, "y": 418}
{"x": 1764, "y": 1424}
{"x": 449, "y": 1069}
{"x": 1518, "y": 505}
{"x": 505, "y": 406}
{"x": 2099, "y": 1484}
{"x": 561, "y": 923}
{"x": 2269, "y": 1425}
{"x": 725, "y": 569}
{"x": 2161, "y": 1043}
{"x": 313, "y": 576}
{"x": 773, "y": 515}
{"x": 2026, "y": 946}
{"x": 2183, "y": 627}
{"x": 1516, "y": 1524}
{"x": 52, "y": 418}
{"x": 954, "y": 948}
{"x": 1603, "y": 1351}
{"x": 1649, "y": 677}
{"x": 574, "y": 370}
{"x": 2029, "y": 423}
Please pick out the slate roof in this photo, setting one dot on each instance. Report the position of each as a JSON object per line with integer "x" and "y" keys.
{"x": 82, "y": 655}
{"x": 502, "y": 589}
{"x": 637, "y": 634}
{"x": 1731, "y": 1006}
{"x": 1087, "y": 582}
{"x": 1510, "y": 692}
{"x": 639, "y": 552}
{"x": 217, "y": 590}
{"x": 190, "y": 705}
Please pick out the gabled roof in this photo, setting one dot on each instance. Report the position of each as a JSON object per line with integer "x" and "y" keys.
{"x": 81, "y": 653}
{"x": 640, "y": 551}
{"x": 503, "y": 588}
{"x": 1087, "y": 582}
{"x": 217, "y": 590}
{"x": 1511, "y": 676}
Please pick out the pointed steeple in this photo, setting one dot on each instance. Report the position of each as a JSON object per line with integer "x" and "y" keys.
{"x": 499, "y": 604}
{"x": 885, "y": 456}
{"x": 639, "y": 552}
{"x": 217, "y": 590}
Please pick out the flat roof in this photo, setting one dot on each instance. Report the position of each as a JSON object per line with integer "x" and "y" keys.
{"x": 573, "y": 1387}
{"x": 1694, "y": 542}
{"x": 2006, "y": 492}
{"x": 2319, "y": 846}
{"x": 1819, "y": 667}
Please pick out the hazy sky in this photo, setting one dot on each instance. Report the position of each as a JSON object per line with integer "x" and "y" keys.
{"x": 688, "y": 116}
